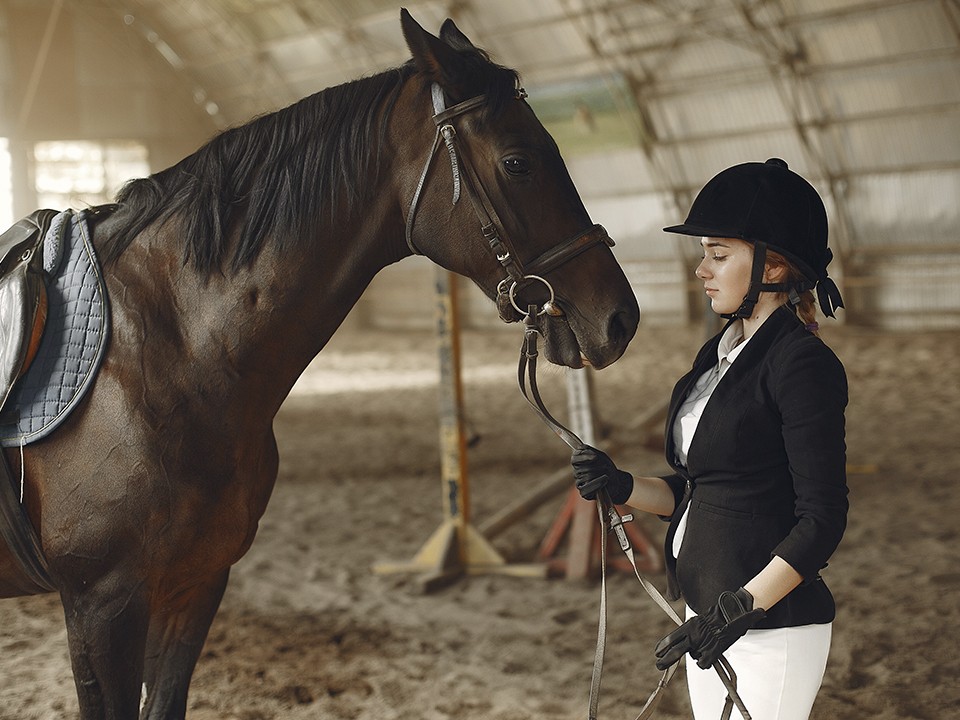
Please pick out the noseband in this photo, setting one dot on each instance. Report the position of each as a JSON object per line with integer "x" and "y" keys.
{"x": 518, "y": 273}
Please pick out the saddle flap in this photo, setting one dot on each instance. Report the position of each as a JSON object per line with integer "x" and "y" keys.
{"x": 23, "y": 303}
{"x": 23, "y": 296}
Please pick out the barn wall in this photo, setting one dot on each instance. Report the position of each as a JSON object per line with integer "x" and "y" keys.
{"x": 94, "y": 81}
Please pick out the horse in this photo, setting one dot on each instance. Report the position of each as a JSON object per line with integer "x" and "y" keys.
{"x": 227, "y": 274}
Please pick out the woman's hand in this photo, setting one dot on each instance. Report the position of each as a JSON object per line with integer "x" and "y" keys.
{"x": 706, "y": 637}
{"x": 593, "y": 470}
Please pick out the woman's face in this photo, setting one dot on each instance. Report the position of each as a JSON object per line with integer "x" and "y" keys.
{"x": 725, "y": 272}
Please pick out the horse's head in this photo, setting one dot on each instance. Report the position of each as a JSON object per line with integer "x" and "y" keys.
{"x": 492, "y": 200}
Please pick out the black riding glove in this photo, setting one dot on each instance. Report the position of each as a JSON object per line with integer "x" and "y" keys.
{"x": 707, "y": 636}
{"x": 593, "y": 470}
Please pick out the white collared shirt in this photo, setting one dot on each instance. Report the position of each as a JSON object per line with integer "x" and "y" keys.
{"x": 690, "y": 412}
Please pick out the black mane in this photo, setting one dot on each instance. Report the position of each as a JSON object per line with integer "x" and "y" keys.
{"x": 272, "y": 176}
{"x": 276, "y": 175}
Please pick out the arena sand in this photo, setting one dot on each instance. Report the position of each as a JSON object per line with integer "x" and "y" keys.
{"x": 307, "y": 630}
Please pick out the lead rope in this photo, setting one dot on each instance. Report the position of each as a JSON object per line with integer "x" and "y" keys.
{"x": 610, "y": 519}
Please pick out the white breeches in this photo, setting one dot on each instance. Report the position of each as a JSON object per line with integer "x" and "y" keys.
{"x": 778, "y": 671}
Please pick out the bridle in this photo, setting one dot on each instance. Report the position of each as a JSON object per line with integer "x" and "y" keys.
{"x": 517, "y": 271}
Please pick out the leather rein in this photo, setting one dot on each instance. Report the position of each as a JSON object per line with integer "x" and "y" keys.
{"x": 610, "y": 520}
{"x": 518, "y": 273}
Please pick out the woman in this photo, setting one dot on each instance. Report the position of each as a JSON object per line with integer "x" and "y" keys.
{"x": 757, "y": 501}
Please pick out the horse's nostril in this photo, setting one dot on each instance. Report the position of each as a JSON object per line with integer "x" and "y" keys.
{"x": 622, "y": 326}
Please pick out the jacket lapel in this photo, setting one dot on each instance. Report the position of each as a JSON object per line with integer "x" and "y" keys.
{"x": 730, "y": 386}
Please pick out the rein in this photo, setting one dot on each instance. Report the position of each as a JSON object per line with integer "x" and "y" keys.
{"x": 517, "y": 272}
{"x": 610, "y": 520}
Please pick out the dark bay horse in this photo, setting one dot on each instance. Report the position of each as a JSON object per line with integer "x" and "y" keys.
{"x": 227, "y": 274}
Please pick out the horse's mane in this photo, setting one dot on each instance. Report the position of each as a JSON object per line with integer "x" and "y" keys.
{"x": 275, "y": 176}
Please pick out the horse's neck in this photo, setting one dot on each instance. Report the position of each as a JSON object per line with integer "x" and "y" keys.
{"x": 263, "y": 324}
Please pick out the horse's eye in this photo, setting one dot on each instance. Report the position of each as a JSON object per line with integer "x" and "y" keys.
{"x": 516, "y": 165}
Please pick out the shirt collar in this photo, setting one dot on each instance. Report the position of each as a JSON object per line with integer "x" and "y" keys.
{"x": 732, "y": 342}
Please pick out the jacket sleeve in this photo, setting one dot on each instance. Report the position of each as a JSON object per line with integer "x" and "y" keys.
{"x": 811, "y": 392}
{"x": 677, "y": 485}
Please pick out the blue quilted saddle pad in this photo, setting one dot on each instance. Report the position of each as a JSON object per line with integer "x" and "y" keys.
{"x": 74, "y": 339}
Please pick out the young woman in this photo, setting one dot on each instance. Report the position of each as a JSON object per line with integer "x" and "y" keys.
{"x": 757, "y": 501}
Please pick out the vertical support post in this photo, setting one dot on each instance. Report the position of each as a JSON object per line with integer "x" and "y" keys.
{"x": 583, "y": 522}
{"x": 454, "y": 485}
{"x": 456, "y": 548}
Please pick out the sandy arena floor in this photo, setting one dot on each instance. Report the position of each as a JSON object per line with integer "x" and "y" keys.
{"x": 307, "y": 630}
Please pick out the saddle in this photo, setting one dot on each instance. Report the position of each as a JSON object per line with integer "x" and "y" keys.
{"x": 23, "y": 314}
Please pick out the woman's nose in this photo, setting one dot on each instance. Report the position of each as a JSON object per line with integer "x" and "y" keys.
{"x": 701, "y": 271}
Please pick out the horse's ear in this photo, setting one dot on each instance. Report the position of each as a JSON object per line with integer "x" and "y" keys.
{"x": 454, "y": 37}
{"x": 433, "y": 57}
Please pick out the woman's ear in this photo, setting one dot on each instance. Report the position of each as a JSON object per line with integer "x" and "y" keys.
{"x": 774, "y": 273}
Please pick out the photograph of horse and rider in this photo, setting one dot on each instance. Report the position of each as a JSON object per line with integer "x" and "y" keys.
{"x": 677, "y": 340}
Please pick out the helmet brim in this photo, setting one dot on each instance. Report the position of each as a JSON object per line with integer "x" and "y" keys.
{"x": 695, "y": 230}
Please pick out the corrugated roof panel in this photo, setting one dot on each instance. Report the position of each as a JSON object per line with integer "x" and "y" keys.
{"x": 382, "y": 34}
{"x": 879, "y": 33}
{"x": 903, "y": 209}
{"x": 901, "y": 143}
{"x": 740, "y": 109}
{"x": 538, "y": 46}
{"x": 806, "y": 8}
{"x": 626, "y": 27}
{"x": 711, "y": 56}
{"x": 920, "y": 83}
{"x": 317, "y": 48}
{"x": 504, "y": 15}
{"x": 195, "y": 44}
{"x": 702, "y": 160}
{"x": 241, "y": 7}
{"x": 625, "y": 171}
{"x": 229, "y": 74}
{"x": 275, "y": 22}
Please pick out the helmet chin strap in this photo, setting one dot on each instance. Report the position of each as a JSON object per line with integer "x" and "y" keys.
{"x": 793, "y": 289}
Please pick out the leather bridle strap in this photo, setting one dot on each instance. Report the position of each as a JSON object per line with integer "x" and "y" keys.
{"x": 447, "y": 134}
{"x": 610, "y": 519}
{"x": 490, "y": 225}
{"x": 559, "y": 254}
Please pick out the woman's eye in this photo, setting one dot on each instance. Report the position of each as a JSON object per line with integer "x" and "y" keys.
{"x": 516, "y": 165}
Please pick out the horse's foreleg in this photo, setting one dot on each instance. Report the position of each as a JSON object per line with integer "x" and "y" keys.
{"x": 106, "y": 631}
{"x": 174, "y": 644}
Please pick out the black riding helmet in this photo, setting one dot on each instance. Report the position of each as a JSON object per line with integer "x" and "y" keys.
{"x": 769, "y": 205}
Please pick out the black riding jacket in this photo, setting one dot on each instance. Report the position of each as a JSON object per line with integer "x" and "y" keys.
{"x": 765, "y": 474}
